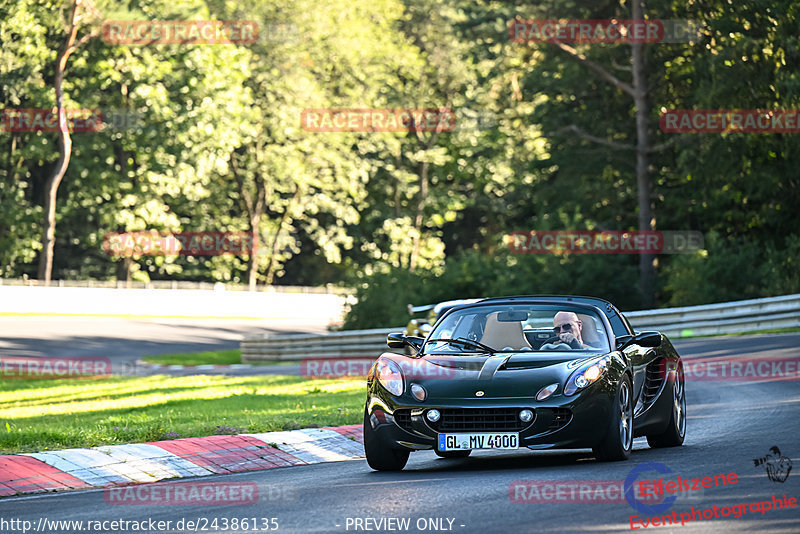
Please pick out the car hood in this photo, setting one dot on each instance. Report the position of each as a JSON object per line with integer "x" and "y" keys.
{"x": 499, "y": 376}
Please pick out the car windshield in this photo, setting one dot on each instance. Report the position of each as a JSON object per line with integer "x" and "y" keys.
{"x": 518, "y": 328}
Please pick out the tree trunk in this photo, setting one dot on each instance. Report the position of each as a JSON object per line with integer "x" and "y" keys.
{"x": 269, "y": 275}
{"x": 418, "y": 219}
{"x": 424, "y": 171}
{"x": 121, "y": 156}
{"x": 254, "y": 208}
{"x": 643, "y": 183}
{"x": 51, "y": 187}
{"x": 65, "y": 152}
{"x": 124, "y": 271}
{"x": 252, "y": 264}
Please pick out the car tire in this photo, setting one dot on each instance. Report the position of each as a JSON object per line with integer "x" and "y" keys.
{"x": 675, "y": 432}
{"x": 452, "y": 454}
{"x": 379, "y": 457}
{"x": 618, "y": 441}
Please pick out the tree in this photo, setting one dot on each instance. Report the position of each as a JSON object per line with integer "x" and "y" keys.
{"x": 295, "y": 185}
{"x": 637, "y": 89}
{"x": 80, "y": 13}
{"x": 24, "y": 29}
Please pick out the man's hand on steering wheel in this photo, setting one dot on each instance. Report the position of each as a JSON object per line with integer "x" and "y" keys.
{"x": 565, "y": 339}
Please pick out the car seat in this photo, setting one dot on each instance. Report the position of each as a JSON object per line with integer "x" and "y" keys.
{"x": 502, "y": 335}
{"x": 589, "y": 331}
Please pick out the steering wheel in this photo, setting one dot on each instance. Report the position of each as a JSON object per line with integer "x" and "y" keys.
{"x": 555, "y": 343}
{"x": 555, "y": 346}
{"x": 555, "y": 340}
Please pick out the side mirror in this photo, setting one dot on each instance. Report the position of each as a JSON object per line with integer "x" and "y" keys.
{"x": 624, "y": 341}
{"x": 644, "y": 339}
{"x": 648, "y": 339}
{"x": 398, "y": 340}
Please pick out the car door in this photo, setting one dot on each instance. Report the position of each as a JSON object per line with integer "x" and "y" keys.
{"x": 640, "y": 357}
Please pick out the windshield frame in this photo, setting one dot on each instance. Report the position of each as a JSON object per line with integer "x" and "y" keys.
{"x": 595, "y": 311}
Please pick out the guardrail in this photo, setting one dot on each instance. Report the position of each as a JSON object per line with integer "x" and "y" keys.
{"x": 347, "y": 344}
{"x": 725, "y": 318}
{"x": 710, "y": 319}
{"x": 307, "y": 311}
{"x": 175, "y": 284}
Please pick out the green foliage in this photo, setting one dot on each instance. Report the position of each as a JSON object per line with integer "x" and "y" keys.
{"x": 383, "y": 297}
{"x": 219, "y": 147}
{"x": 733, "y": 269}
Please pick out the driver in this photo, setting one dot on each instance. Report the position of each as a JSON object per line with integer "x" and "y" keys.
{"x": 567, "y": 327}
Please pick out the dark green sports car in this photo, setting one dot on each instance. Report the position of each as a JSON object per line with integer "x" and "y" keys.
{"x": 542, "y": 372}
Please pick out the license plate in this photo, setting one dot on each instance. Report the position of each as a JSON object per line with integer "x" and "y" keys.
{"x": 481, "y": 440}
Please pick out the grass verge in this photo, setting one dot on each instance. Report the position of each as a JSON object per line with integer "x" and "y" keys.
{"x": 789, "y": 330}
{"x": 218, "y": 357}
{"x": 40, "y": 415}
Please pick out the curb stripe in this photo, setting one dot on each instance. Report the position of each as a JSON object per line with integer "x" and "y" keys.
{"x": 229, "y": 454}
{"x": 314, "y": 445}
{"x": 92, "y": 466}
{"x": 145, "y": 461}
{"x": 111, "y": 465}
{"x": 22, "y": 474}
{"x": 355, "y": 432}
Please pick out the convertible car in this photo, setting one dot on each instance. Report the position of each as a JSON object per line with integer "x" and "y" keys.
{"x": 537, "y": 372}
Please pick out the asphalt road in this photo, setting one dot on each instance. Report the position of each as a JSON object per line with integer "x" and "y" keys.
{"x": 729, "y": 425}
{"x": 124, "y": 340}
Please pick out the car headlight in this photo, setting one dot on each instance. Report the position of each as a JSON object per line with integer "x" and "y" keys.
{"x": 586, "y": 374}
{"x": 390, "y": 376}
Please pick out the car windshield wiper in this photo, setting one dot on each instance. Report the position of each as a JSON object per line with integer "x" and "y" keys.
{"x": 464, "y": 341}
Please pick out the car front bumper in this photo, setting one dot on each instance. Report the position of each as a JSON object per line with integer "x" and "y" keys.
{"x": 578, "y": 421}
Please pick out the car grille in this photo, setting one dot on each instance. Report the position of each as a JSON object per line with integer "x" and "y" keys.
{"x": 652, "y": 380}
{"x": 403, "y": 419}
{"x": 480, "y": 420}
{"x": 561, "y": 416}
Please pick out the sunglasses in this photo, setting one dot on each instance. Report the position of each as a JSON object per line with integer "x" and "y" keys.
{"x": 567, "y": 327}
